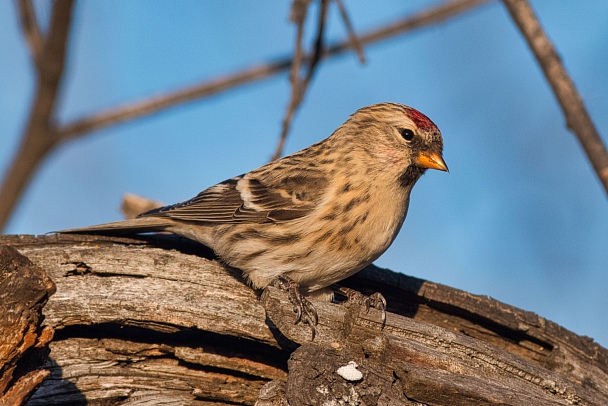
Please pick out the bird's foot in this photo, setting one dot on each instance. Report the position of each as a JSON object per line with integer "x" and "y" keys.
{"x": 376, "y": 300}
{"x": 302, "y": 307}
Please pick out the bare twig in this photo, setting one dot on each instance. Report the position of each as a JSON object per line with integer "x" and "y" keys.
{"x": 319, "y": 45}
{"x": 300, "y": 85}
{"x": 577, "y": 117}
{"x": 352, "y": 36}
{"x": 299, "y": 11}
{"x": 38, "y": 138}
{"x": 31, "y": 30}
{"x": 41, "y": 136}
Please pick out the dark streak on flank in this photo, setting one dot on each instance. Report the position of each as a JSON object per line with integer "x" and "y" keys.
{"x": 322, "y": 238}
{"x": 361, "y": 219}
{"x": 347, "y": 186}
{"x": 284, "y": 239}
{"x": 252, "y": 256}
{"x": 348, "y": 228}
{"x": 355, "y": 201}
{"x": 250, "y": 233}
{"x": 330, "y": 216}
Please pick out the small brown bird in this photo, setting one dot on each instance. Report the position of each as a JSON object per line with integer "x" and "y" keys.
{"x": 314, "y": 217}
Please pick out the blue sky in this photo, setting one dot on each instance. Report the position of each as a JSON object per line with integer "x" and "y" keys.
{"x": 521, "y": 217}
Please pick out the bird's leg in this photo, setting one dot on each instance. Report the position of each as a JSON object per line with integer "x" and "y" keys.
{"x": 376, "y": 300}
{"x": 303, "y": 308}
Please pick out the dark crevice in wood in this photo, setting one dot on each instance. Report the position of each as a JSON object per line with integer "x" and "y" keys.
{"x": 226, "y": 371}
{"x": 284, "y": 342}
{"x": 211, "y": 342}
{"x": 103, "y": 274}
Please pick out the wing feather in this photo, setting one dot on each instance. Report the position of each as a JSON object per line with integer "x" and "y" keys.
{"x": 251, "y": 198}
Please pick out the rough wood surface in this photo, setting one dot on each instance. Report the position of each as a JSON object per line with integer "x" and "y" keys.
{"x": 24, "y": 343}
{"x": 157, "y": 320}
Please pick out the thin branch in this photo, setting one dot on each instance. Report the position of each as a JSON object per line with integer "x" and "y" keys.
{"x": 299, "y": 12}
{"x": 352, "y": 36}
{"x": 38, "y": 138}
{"x": 319, "y": 44}
{"x": 31, "y": 30}
{"x": 577, "y": 117}
{"x": 300, "y": 85}
{"x": 209, "y": 88}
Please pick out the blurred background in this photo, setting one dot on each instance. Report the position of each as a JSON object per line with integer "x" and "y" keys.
{"x": 521, "y": 217}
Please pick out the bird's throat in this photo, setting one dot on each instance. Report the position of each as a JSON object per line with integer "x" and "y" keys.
{"x": 411, "y": 175}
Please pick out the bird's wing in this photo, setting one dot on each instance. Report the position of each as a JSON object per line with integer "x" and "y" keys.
{"x": 251, "y": 198}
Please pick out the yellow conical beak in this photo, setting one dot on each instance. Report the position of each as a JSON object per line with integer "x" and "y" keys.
{"x": 431, "y": 160}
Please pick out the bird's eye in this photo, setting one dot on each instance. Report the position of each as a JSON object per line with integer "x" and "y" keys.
{"x": 407, "y": 134}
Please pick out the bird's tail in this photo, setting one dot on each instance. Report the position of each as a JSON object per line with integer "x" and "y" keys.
{"x": 133, "y": 226}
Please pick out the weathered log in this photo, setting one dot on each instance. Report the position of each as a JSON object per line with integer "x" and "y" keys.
{"x": 24, "y": 343}
{"x": 157, "y": 320}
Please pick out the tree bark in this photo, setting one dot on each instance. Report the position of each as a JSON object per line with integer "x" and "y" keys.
{"x": 24, "y": 343}
{"x": 157, "y": 320}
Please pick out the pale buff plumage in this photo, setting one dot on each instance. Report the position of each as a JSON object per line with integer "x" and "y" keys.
{"x": 317, "y": 216}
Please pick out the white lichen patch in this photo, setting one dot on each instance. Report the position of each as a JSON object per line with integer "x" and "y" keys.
{"x": 350, "y": 372}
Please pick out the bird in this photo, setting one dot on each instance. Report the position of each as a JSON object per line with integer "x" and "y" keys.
{"x": 315, "y": 217}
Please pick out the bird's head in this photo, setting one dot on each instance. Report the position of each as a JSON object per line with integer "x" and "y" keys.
{"x": 399, "y": 139}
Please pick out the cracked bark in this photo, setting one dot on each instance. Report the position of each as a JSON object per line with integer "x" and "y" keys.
{"x": 24, "y": 289}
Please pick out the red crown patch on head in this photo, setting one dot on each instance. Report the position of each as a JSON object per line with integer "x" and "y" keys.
{"x": 421, "y": 121}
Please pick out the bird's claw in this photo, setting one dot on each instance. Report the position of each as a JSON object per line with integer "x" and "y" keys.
{"x": 376, "y": 300}
{"x": 302, "y": 307}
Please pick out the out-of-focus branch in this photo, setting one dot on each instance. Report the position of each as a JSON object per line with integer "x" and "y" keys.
{"x": 577, "y": 117}
{"x": 299, "y": 12}
{"x": 31, "y": 30}
{"x": 300, "y": 85}
{"x": 39, "y": 138}
{"x": 352, "y": 36}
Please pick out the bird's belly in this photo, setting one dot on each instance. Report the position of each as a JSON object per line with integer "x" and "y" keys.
{"x": 319, "y": 253}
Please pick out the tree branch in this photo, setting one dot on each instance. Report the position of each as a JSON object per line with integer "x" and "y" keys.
{"x": 577, "y": 117}
{"x": 31, "y": 30}
{"x": 39, "y": 138}
{"x": 300, "y": 85}
{"x": 352, "y": 36}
